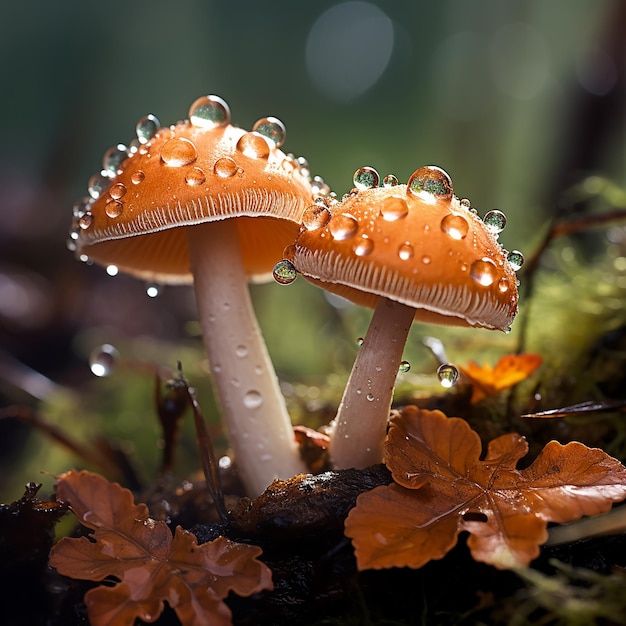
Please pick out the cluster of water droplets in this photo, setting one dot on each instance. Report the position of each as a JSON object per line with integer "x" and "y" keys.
{"x": 403, "y": 367}
{"x": 207, "y": 113}
{"x": 429, "y": 184}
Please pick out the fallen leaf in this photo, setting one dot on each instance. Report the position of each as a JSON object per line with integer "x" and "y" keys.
{"x": 150, "y": 566}
{"x": 487, "y": 381}
{"x": 442, "y": 487}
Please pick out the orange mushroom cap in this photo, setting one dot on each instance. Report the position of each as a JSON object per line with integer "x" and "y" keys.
{"x": 416, "y": 244}
{"x": 199, "y": 170}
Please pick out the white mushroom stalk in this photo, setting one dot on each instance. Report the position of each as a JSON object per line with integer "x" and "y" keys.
{"x": 358, "y": 442}
{"x": 209, "y": 203}
{"x": 252, "y": 405}
{"x": 409, "y": 251}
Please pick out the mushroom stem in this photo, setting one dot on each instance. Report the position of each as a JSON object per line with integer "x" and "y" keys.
{"x": 252, "y": 405}
{"x": 361, "y": 422}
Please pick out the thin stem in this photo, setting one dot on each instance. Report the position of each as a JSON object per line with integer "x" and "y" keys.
{"x": 253, "y": 407}
{"x": 361, "y": 422}
{"x": 207, "y": 455}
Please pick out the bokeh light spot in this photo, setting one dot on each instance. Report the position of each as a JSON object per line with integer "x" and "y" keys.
{"x": 348, "y": 49}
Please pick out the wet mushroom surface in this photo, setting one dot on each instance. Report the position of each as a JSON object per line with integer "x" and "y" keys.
{"x": 207, "y": 202}
{"x": 411, "y": 252}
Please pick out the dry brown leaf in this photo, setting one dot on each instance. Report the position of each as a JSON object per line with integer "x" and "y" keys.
{"x": 442, "y": 488}
{"x": 149, "y": 564}
{"x": 487, "y": 381}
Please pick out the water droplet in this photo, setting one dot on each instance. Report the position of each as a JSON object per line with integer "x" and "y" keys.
{"x": 178, "y": 151}
{"x": 406, "y": 251}
{"x": 209, "y": 112}
{"x": 515, "y": 259}
{"x": 117, "y": 191}
{"x": 224, "y": 462}
{"x": 319, "y": 187}
{"x": 363, "y": 246}
{"x": 343, "y": 226}
{"x": 284, "y": 272}
{"x": 241, "y": 351}
{"x": 225, "y": 167}
{"x": 359, "y": 341}
{"x": 455, "y": 226}
{"x": 254, "y": 146}
{"x": 390, "y": 181}
{"x": 147, "y": 127}
{"x": 252, "y": 399}
{"x": 114, "y": 208}
{"x": 495, "y": 221}
{"x": 503, "y": 285}
{"x": 465, "y": 203}
{"x": 315, "y": 217}
{"x": 113, "y": 158}
{"x": 369, "y": 397}
{"x": 426, "y": 259}
{"x": 484, "y": 271}
{"x": 137, "y": 177}
{"x": 153, "y": 290}
{"x": 98, "y": 184}
{"x": 404, "y": 367}
{"x": 271, "y": 128}
{"x": 448, "y": 375}
{"x": 195, "y": 177}
{"x": 81, "y": 207}
{"x": 103, "y": 359}
{"x": 394, "y": 208}
{"x": 366, "y": 178}
{"x": 289, "y": 252}
{"x": 85, "y": 221}
{"x": 430, "y": 184}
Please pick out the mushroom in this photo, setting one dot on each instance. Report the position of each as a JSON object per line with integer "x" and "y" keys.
{"x": 206, "y": 202}
{"x": 411, "y": 251}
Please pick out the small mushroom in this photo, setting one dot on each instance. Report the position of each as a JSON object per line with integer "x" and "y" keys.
{"x": 411, "y": 251}
{"x": 206, "y": 202}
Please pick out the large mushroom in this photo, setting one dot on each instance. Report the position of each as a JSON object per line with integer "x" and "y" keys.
{"x": 206, "y": 202}
{"x": 411, "y": 251}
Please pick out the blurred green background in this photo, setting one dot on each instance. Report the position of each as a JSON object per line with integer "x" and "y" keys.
{"x": 517, "y": 101}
